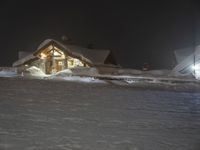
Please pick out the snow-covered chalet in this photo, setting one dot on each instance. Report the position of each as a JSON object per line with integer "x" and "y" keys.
{"x": 53, "y": 56}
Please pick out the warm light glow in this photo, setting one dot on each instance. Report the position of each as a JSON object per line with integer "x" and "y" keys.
{"x": 73, "y": 62}
{"x": 43, "y": 56}
{"x": 56, "y": 53}
{"x": 54, "y": 60}
{"x": 60, "y": 63}
{"x": 52, "y": 51}
{"x": 196, "y": 69}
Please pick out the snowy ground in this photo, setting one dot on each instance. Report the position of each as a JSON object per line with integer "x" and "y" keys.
{"x": 92, "y": 75}
{"x": 8, "y": 73}
{"x": 68, "y": 115}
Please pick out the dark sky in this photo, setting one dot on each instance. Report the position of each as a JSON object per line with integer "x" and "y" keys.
{"x": 137, "y": 32}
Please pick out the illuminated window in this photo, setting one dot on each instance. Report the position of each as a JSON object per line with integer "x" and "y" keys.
{"x": 73, "y": 62}
{"x": 78, "y": 62}
{"x": 43, "y": 56}
{"x": 60, "y": 63}
{"x": 52, "y": 51}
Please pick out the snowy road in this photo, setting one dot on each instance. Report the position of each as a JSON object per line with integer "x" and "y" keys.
{"x": 57, "y": 115}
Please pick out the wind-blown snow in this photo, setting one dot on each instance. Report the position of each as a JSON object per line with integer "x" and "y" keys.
{"x": 34, "y": 71}
{"x": 82, "y": 79}
{"x": 64, "y": 75}
{"x": 57, "y": 115}
{"x": 92, "y": 75}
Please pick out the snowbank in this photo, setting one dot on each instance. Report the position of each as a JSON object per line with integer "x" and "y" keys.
{"x": 103, "y": 71}
{"x": 78, "y": 74}
{"x": 64, "y": 73}
{"x": 158, "y": 72}
{"x": 127, "y": 76}
{"x": 123, "y": 71}
{"x": 85, "y": 71}
{"x": 129, "y": 72}
{"x": 86, "y": 75}
{"x": 34, "y": 71}
{"x": 82, "y": 79}
{"x": 8, "y": 72}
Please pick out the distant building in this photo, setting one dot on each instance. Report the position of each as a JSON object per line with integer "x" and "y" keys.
{"x": 188, "y": 61}
{"x": 52, "y": 56}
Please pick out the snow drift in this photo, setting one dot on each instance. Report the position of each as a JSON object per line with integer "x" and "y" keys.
{"x": 8, "y": 72}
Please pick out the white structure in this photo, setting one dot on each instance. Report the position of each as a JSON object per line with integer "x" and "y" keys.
{"x": 188, "y": 61}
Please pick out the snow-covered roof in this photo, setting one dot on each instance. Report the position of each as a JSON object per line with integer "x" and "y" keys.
{"x": 96, "y": 56}
{"x": 64, "y": 48}
{"x": 24, "y": 60}
{"x": 45, "y": 42}
{"x": 92, "y": 56}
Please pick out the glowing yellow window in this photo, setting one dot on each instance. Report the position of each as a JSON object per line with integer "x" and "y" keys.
{"x": 60, "y": 63}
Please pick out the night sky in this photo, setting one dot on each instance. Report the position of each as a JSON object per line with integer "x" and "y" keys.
{"x": 136, "y": 32}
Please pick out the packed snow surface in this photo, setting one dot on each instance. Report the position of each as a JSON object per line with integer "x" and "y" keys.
{"x": 91, "y": 75}
{"x": 68, "y": 115}
{"x": 4, "y": 73}
{"x": 82, "y": 79}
